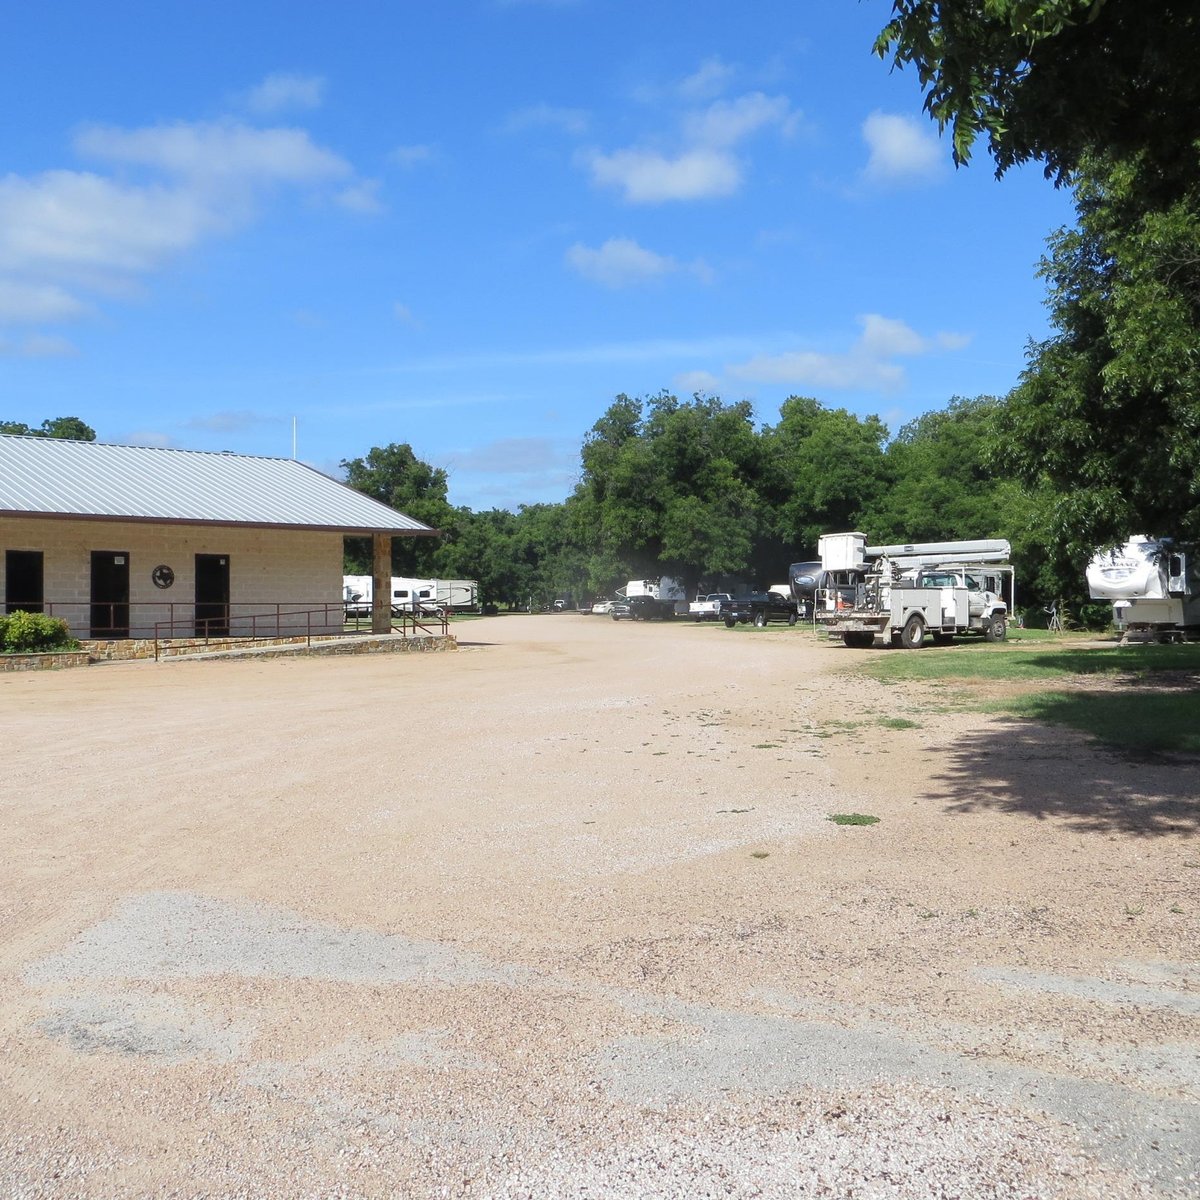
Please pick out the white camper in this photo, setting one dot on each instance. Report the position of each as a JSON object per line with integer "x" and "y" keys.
{"x": 663, "y": 588}
{"x": 408, "y": 595}
{"x": 1154, "y": 585}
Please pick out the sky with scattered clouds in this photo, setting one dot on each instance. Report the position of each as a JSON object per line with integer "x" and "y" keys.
{"x": 469, "y": 225}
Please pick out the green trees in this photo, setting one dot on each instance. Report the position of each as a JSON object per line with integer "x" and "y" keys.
{"x": 1056, "y": 80}
{"x": 669, "y": 487}
{"x": 395, "y": 476}
{"x": 697, "y": 490}
{"x": 824, "y": 468}
{"x": 67, "y": 428}
{"x": 1107, "y": 415}
{"x": 1104, "y": 427}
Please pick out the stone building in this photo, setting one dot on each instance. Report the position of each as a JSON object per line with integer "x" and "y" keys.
{"x": 138, "y": 541}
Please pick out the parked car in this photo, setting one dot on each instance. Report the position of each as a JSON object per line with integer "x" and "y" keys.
{"x": 602, "y": 608}
{"x": 761, "y": 608}
{"x": 619, "y": 610}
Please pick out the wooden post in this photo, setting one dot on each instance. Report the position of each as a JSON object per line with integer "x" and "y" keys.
{"x": 381, "y": 584}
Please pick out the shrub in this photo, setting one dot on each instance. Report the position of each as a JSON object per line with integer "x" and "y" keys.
{"x": 22, "y": 632}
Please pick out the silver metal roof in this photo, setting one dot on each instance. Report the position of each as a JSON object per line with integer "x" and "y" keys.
{"x": 51, "y": 477}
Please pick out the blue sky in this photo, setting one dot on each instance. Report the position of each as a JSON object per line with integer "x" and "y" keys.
{"x": 469, "y": 225}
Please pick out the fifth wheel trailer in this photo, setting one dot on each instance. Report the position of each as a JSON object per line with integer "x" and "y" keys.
{"x": 1154, "y": 586}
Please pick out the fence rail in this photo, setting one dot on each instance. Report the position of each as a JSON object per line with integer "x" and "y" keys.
{"x": 166, "y": 620}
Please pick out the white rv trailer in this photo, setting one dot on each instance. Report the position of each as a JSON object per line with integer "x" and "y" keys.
{"x": 662, "y": 589}
{"x": 1154, "y": 585}
{"x": 902, "y": 593}
{"x": 408, "y": 595}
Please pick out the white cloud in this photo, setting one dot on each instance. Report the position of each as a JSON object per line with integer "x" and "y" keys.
{"x": 36, "y": 302}
{"x": 705, "y": 166}
{"x": 216, "y": 151}
{"x": 515, "y": 455}
{"x": 405, "y": 315}
{"x": 619, "y": 262}
{"x": 902, "y": 150}
{"x": 647, "y": 177}
{"x": 76, "y": 224}
{"x": 727, "y": 122}
{"x": 37, "y": 345}
{"x": 362, "y": 197}
{"x": 692, "y": 382}
{"x": 282, "y": 92}
{"x": 547, "y": 116}
{"x": 868, "y": 364}
{"x": 232, "y": 421}
{"x": 711, "y": 79}
{"x": 410, "y": 156}
{"x": 67, "y": 232}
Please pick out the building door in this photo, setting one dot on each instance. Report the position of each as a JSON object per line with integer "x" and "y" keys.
{"x": 212, "y": 595}
{"x": 23, "y": 586}
{"x": 110, "y": 594}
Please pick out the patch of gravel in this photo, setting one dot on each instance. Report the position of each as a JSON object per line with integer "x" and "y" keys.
{"x": 1187, "y": 1003}
{"x": 146, "y": 1025}
{"x": 181, "y": 935}
{"x": 879, "y": 1144}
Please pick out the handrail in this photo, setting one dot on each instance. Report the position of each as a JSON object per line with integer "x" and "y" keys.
{"x": 236, "y": 622}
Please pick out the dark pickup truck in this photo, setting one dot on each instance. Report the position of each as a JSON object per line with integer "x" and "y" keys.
{"x": 759, "y": 609}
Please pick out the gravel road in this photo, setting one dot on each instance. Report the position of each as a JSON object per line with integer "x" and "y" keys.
{"x": 562, "y": 914}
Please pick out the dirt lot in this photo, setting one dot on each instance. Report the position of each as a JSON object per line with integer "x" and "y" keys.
{"x": 562, "y": 915}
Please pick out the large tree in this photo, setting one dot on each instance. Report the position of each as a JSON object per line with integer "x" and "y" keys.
{"x": 1107, "y": 415}
{"x": 1104, "y": 428}
{"x": 824, "y": 468}
{"x": 395, "y": 476}
{"x": 670, "y": 487}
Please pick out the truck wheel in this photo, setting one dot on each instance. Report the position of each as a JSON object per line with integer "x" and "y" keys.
{"x": 729, "y": 622}
{"x": 912, "y": 636}
{"x": 760, "y": 619}
{"x": 996, "y": 629}
{"x": 859, "y": 639}
{"x": 792, "y": 618}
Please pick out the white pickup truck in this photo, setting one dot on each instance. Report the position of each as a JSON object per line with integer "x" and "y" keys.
{"x": 708, "y": 608}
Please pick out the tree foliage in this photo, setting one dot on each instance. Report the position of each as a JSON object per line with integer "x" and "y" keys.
{"x": 1056, "y": 80}
{"x": 68, "y": 428}
{"x": 1106, "y": 418}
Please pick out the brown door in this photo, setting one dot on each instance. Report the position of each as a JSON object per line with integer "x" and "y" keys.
{"x": 212, "y": 595}
{"x": 110, "y": 594}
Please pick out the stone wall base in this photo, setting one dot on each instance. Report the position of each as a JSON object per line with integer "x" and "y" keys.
{"x": 126, "y": 649}
{"x": 45, "y": 661}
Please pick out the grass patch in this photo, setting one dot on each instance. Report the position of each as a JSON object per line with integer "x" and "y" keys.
{"x": 977, "y": 660}
{"x": 1136, "y": 722}
{"x": 897, "y": 723}
{"x": 853, "y": 819}
{"x": 766, "y": 745}
{"x": 1157, "y": 710}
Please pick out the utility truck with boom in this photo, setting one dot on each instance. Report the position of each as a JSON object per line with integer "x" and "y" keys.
{"x": 907, "y": 594}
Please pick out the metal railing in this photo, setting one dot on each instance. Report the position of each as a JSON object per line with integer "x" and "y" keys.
{"x": 205, "y": 623}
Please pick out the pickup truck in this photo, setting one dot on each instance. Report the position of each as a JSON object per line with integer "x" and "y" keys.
{"x": 642, "y": 608}
{"x": 708, "y": 608}
{"x": 759, "y": 609}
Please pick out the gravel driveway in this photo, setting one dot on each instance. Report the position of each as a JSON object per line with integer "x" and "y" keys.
{"x": 562, "y": 915}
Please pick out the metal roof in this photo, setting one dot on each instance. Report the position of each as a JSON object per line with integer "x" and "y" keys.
{"x": 90, "y": 480}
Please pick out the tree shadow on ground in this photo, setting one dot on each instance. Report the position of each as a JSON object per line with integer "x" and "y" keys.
{"x": 1054, "y": 773}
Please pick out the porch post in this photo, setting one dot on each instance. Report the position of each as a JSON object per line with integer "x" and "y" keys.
{"x": 381, "y": 584}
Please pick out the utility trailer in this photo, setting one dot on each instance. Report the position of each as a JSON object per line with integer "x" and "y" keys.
{"x": 908, "y": 594}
